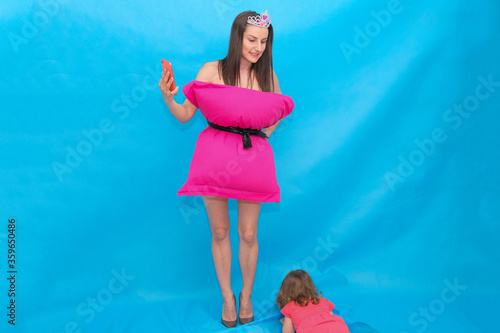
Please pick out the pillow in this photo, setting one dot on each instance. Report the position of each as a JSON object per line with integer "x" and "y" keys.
{"x": 235, "y": 106}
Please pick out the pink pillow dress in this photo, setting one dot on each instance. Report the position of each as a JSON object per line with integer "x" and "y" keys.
{"x": 221, "y": 166}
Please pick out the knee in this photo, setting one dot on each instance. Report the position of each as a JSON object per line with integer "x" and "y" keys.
{"x": 220, "y": 233}
{"x": 248, "y": 236}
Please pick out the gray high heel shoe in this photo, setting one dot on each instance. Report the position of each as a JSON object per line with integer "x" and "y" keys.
{"x": 244, "y": 321}
{"x": 230, "y": 323}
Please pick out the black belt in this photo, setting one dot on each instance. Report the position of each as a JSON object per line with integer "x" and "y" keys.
{"x": 245, "y": 132}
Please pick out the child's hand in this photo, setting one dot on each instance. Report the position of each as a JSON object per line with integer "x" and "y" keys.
{"x": 287, "y": 325}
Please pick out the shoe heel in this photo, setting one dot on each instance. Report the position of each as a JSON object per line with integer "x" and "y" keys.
{"x": 230, "y": 323}
{"x": 244, "y": 321}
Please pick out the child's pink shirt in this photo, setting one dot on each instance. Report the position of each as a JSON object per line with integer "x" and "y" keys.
{"x": 315, "y": 318}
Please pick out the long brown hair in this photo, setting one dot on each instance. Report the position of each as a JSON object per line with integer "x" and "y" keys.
{"x": 297, "y": 287}
{"x": 229, "y": 67}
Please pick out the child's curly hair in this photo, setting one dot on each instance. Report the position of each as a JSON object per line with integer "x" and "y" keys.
{"x": 298, "y": 287}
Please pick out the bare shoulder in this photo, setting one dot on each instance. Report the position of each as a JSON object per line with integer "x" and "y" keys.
{"x": 209, "y": 72}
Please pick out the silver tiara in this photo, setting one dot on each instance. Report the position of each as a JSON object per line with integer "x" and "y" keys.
{"x": 261, "y": 20}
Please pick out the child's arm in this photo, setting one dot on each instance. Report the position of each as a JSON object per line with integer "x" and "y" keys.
{"x": 287, "y": 325}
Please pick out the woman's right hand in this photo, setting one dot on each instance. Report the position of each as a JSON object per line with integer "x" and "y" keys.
{"x": 165, "y": 85}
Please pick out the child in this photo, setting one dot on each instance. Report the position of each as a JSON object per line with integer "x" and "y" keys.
{"x": 304, "y": 308}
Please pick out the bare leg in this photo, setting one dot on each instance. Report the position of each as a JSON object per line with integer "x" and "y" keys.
{"x": 248, "y": 217}
{"x": 218, "y": 217}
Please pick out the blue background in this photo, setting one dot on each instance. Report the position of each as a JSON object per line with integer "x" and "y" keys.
{"x": 388, "y": 165}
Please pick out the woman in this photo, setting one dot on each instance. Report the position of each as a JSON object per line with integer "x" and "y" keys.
{"x": 241, "y": 99}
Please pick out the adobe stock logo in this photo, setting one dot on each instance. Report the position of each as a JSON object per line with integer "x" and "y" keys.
{"x": 371, "y": 30}
{"x": 223, "y": 6}
{"x": 94, "y": 137}
{"x": 94, "y": 304}
{"x": 31, "y": 27}
{"x": 428, "y": 314}
{"x": 455, "y": 117}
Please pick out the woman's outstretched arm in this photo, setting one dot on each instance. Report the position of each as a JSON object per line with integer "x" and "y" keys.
{"x": 182, "y": 112}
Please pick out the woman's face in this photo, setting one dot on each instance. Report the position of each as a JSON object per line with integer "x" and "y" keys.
{"x": 254, "y": 43}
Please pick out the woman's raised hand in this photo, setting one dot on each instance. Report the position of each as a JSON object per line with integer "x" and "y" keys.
{"x": 165, "y": 85}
